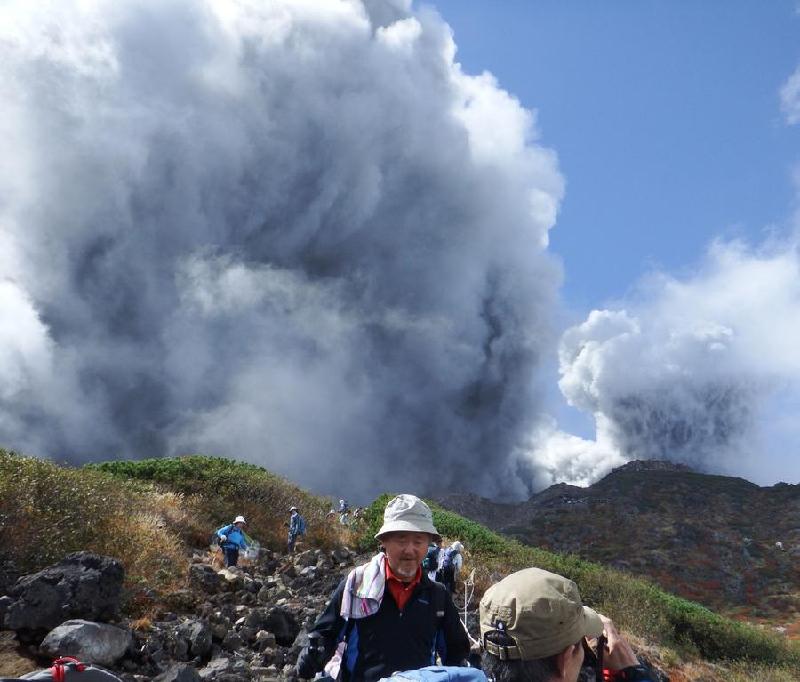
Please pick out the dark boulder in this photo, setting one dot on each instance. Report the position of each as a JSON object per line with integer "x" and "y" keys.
{"x": 179, "y": 673}
{"x": 283, "y": 625}
{"x": 204, "y": 577}
{"x": 197, "y": 634}
{"x": 82, "y": 586}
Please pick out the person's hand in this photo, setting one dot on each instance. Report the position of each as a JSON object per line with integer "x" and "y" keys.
{"x": 618, "y": 653}
{"x": 223, "y": 537}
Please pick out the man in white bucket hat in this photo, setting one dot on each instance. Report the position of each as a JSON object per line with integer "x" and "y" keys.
{"x": 388, "y": 613}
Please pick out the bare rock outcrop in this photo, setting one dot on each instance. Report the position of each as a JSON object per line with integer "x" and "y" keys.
{"x": 84, "y": 586}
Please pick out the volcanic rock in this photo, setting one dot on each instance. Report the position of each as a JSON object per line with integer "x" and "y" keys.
{"x": 89, "y": 642}
{"x": 83, "y": 585}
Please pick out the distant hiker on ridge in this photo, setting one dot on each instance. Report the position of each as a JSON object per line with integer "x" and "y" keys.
{"x": 450, "y": 562}
{"x": 388, "y": 612}
{"x": 297, "y": 527}
{"x": 232, "y": 539}
{"x": 344, "y": 511}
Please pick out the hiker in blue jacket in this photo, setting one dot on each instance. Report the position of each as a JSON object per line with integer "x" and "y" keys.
{"x": 450, "y": 562}
{"x": 232, "y": 539}
{"x": 297, "y": 527}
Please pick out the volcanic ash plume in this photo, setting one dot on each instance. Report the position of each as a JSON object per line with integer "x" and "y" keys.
{"x": 703, "y": 371}
{"x": 290, "y": 232}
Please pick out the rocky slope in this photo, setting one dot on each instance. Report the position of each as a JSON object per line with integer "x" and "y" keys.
{"x": 171, "y": 616}
{"x": 227, "y": 625}
{"x": 722, "y": 541}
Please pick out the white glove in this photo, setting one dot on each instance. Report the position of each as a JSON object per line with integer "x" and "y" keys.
{"x": 223, "y": 537}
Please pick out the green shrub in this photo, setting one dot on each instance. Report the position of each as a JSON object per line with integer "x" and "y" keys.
{"x": 217, "y": 489}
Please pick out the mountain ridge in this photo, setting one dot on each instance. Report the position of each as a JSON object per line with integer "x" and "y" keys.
{"x": 723, "y": 541}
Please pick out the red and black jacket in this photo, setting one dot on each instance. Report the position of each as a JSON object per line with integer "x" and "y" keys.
{"x": 392, "y": 640}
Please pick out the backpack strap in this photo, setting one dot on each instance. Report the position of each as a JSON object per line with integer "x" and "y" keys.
{"x": 438, "y": 601}
{"x": 439, "y": 597}
{"x": 343, "y": 638}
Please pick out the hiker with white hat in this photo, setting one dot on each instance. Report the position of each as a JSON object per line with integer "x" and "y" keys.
{"x": 388, "y": 614}
{"x": 232, "y": 539}
{"x": 450, "y": 563}
{"x": 297, "y": 528}
{"x": 534, "y": 628}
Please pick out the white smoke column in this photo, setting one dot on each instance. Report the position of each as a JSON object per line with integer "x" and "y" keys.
{"x": 289, "y": 232}
{"x": 702, "y": 370}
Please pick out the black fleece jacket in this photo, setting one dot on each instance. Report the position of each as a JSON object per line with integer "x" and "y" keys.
{"x": 392, "y": 640}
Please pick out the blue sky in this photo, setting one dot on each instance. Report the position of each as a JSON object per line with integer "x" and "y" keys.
{"x": 665, "y": 116}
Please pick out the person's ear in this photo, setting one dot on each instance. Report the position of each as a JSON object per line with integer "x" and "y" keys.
{"x": 562, "y": 660}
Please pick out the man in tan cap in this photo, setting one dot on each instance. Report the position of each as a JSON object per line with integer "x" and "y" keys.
{"x": 388, "y": 613}
{"x": 534, "y": 629}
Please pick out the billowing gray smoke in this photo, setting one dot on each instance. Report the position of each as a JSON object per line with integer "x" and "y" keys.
{"x": 702, "y": 370}
{"x": 290, "y": 232}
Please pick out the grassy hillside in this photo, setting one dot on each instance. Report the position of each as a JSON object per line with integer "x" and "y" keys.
{"x": 147, "y": 513}
{"x": 217, "y": 489}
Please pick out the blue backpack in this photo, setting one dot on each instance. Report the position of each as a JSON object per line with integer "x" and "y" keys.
{"x": 447, "y": 562}
{"x": 440, "y": 673}
{"x": 431, "y": 560}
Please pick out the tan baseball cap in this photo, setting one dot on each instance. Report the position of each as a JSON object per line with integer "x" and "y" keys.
{"x": 541, "y": 611}
{"x": 408, "y": 513}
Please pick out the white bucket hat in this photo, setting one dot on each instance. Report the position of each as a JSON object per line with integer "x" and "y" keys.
{"x": 240, "y": 519}
{"x": 408, "y": 513}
